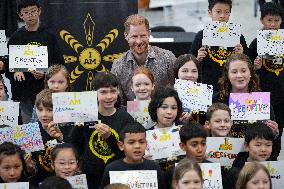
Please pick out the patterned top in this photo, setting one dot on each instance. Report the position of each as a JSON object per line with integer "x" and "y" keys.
{"x": 159, "y": 61}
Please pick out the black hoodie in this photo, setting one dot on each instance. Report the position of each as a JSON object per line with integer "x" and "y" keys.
{"x": 23, "y": 90}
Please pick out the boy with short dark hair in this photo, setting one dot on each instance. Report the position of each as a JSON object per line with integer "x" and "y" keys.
{"x": 41, "y": 160}
{"x": 270, "y": 68}
{"x": 132, "y": 140}
{"x": 258, "y": 146}
{"x": 218, "y": 120}
{"x": 25, "y": 86}
{"x": 193, "y": 142}
{"x": 213, "y": 58}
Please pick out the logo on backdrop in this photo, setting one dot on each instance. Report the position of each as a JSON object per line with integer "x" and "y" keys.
{"x": 89, "y": 56}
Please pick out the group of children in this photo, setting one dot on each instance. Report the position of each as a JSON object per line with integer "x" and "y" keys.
{"x": 119, "y": 143}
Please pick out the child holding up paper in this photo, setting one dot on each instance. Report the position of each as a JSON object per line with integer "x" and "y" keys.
{"x": 98, "y": 144}
{"x": 258, "y": 145}
{"x": 25, "y": 85}
{"x": 40, "y": 161}
{"x": 187, "y": 67}
{"x": 239, "y": 77}
{"x": 270, "y": 68}
{"x": 57, "y": 78}
{"x": 165, "y": 109}
{"x": 212, "y": 59}
{"x": 254, "y": 175}
{"x": 12, "y": 164}
{"x": 64, "y": 160}
{"x": 218, "y": 120}
{"x": 132, "y": 140}
{"x": 187, "y": 175}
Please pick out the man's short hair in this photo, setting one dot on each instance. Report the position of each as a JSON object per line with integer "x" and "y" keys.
{"x": 135, "y": 19}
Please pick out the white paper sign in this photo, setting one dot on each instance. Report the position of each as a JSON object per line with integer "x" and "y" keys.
{"x": 211, "y": 173}
{"x": 223, "y": 150}
{"x": 17, "y": 185}
{"x": 221, "y": 34}
{"x": 270, "y": 42}
{"x": 164, "y": 142}
{"x": 276, "y": 170}
{"x": 194, "y": 96}
{"x": 78, "y": 181}
{"x": 138, "y": 109}
{"x": 75, "y": 107}
{"x": 138, "y": 179}
{"x": 9, "y": 112}
{"x": 28, "y": 58}
{"x": 3, "y": 43}
{"x": 250, "y": 106}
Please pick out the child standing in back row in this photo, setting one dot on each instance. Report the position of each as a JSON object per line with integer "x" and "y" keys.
{"x": 270, "y": 68}
{"x": 25, "y": 85}
{"x": 212, "y": 59}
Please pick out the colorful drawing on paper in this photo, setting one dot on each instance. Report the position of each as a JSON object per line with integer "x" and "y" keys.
{"x": 250, "y": 106}
{"x": 221, "y": 34}
{"x": 27, "y": 136}
{"x": 211, "y": 173}
{"x": 138, "y": 109}
{"x": 9, "y": 113}
{"x": 75, "y": 107}
{"x": 138, "y": 179}
{"x": 28, "y": 58}
{"x": 194, "y": 96}
{"x": 164, "y": 142}
{"x": 223, "y": 150}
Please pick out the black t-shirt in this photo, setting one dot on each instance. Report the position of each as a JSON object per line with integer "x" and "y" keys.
{"x": 120, "y": 165}
{"x": 30, "y": 87}
{"x": 96, "y": 151}
{"x": 43, "y": 158}
{"x": 212, "y": 65}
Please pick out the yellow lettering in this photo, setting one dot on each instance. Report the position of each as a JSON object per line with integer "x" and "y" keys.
{"x": 75, "y": 101}
{"x": 146, "y": 109}
{"x": 226, "y": 146}
{"x": 276, "y": 37}
{"x": 223, "y": 28}
{"x": 2, "y": 109}
{"x": 165, "y": 137}
{"x": 271, "y": 170}
{"x": 193, "y": 91}
{"x": 29, "y": 51}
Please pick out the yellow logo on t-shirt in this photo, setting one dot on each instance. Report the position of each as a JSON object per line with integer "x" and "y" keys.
{"x": 99, "y": 146}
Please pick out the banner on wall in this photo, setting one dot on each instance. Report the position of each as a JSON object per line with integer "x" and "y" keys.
{"x": 90, "y": 34}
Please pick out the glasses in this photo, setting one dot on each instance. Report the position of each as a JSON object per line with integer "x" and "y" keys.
{"x": 33, "y": 12}
{"x": 64, "y": 163}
